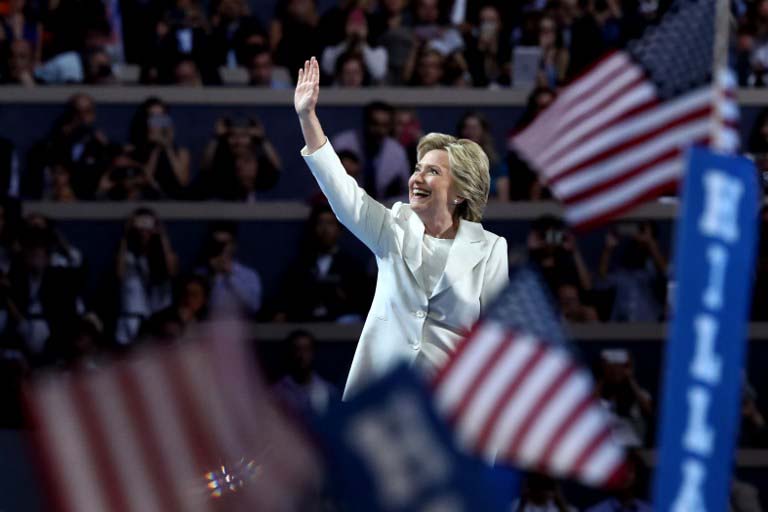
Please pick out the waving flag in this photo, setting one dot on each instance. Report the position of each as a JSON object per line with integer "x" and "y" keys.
{"x": 615, "y": 137}
{"x": 515, "y": 393}
{"x": 188, "y": 427}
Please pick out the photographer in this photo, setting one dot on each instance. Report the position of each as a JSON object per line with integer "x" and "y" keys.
{"x": 375, "y": 59}
{"x": 153, "y": 139}
{"x": 554, "y": 250}
{"x": 145, "y": 266}
{"x": 236, "y": 143}
{"x": 127, "y": 180}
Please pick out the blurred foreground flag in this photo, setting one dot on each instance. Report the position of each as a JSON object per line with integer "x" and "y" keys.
{"x": 516, "y": 394}
{"x": 389, "y": 452}
{"x": 615, "y": 136}
{"x": 188, "y": 428}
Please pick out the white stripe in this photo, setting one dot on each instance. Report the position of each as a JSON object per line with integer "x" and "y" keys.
{"x": 575, "y": 440}
{"x": 602, "y": 463}
{"x": 505, "y": 370}
{"x": 165, "y": 424}
{"x": 554, "y": 414}
{"x": 637, "y": 96}
{"x": 632, "y": 157}
{"x": 625, "y": 192}
{"x": 525, "y": 399}
{"x": 654, "y": 119}
{"x": 70, "y": 451}
{"x": 451, "y": 390}
{"x": 586, "y": 84}
{"x": 122, "y": 442}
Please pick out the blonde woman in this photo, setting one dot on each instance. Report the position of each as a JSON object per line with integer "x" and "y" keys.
{"x": 438, "y": 267}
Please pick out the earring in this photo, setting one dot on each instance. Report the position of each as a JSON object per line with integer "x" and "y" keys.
{"x": 456, "y": 201}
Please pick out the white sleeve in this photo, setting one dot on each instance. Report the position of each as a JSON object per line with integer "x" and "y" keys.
{"x": 367, "y": 219}
{"x": 496, "y": 273}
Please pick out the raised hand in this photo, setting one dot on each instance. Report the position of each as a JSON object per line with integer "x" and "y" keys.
{"x": 307, "y": 88}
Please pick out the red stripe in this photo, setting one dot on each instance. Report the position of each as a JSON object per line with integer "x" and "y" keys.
{"x": 504, "y": 344}
{"x": 151, "y": 450}
{"x": 602, "y": 437}
{"x": 508, "y": 394}
{"x": 452, "y": 361}
{"x": 625, "y": 144}
{"x": 610, "y": 185}
{"x": 605, "y": 216}
{"x": 617, "y": 479}
{"x": 532, "y": 417}
{"x": 570, "y": 419}
{"x": 99, "y": 445}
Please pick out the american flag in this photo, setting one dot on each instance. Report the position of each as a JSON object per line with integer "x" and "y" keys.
{"x": 515, "y": 393}
{"x": 189, "y": 427}
{"x": 616, "y": 136}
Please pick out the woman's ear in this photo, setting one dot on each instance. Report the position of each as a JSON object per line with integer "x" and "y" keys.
{"x": 458, "y": 200}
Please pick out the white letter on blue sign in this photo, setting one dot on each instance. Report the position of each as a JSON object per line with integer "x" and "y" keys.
{"x": 717, "y": 257}
{"x": 706, "y": 364}
{"x": 720, "y": 218}
{"x": 689, "y": 498}
{"x": 699, "y": 437}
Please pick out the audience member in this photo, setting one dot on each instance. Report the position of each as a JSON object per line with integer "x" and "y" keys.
{"x": 145, "y": 266}
{"x": 356, "y": 42}
{"x": 488, "y": 49}
{"x": 554, "y": 251}
{"x": 62, "y": 253}
{"x": 325, "y": 284}
{"x": 408, "y": 132}
{"x": 154, "y": 147}
{"x": 235, "y": 287}
{"x": 294, "y": 33}
{"x": 350, "y": 71}
{"x": 127, "y": 180}
{"x": 541, "y": 494}
{"x": 239, "y": 162}
{"x": 10, "y": 169}
{"x": 97, "y": 67}
{"x": 754, "y": 430}
{"x": 391, "y": 28}
{"x": 186, "y": 73}
{"x": 475, "y": 127}
{"x": 628, "y": 498}
{"x": 71, "y": 22}
{"x": 639, "y": 276}
{"x": 262, "y": 72}
{"x": 630, "y": 404}
{"x": 233, "y": 30}
{"x": 19, "y": 69}
{"x": 385, "y": 163}
{"x": 572, "y": 307}
{"x": 189, "y": 306}
{"x": 10, "y": 224}
{"x": 760, "y": 290}
{"x": 302, "y": 388}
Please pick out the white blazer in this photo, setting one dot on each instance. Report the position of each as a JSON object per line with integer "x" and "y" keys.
{"x": 403, "y": 319}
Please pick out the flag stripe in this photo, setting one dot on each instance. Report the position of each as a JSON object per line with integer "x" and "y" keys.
{"x": 581, "y": 432}
{"x": 578, "y": 410}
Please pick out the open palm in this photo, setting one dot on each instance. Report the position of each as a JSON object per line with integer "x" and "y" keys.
{"x": 307, "y": 88}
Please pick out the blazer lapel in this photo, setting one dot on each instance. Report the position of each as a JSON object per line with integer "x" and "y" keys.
{"x": 412, "y": 237}
{"x": 467, "y": 250}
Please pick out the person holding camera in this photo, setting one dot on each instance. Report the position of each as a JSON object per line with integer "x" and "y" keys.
{"x": 153, "y": 139}
{"x": 356, "y": 43}
{"x": 127, "y": 180}
{"x": 145, "y": 266}
{"x": 438, "y": 268}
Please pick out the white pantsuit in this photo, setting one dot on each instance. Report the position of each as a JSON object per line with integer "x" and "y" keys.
{"x": 404, "y": 324}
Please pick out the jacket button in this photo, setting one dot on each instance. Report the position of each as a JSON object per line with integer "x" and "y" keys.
{"x": 416, "y": 346}
{"x": 420, "y": 314}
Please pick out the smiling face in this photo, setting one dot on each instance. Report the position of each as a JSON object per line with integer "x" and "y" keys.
{"x": 431, "y": 189}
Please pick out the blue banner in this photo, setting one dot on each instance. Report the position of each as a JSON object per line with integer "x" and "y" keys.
{"x": 389, "y": 452}
{"x": 714, "y": 261}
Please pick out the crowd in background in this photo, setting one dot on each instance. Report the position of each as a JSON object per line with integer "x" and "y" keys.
{"x": 427, "y": 43}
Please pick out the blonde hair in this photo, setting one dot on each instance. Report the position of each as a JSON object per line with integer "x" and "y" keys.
{"x": 469, "y": 168}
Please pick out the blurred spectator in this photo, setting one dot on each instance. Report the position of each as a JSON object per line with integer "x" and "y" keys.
{"x": 302, "y": 388}
{"x": 628, "y": 497}
{"x": 571, "y": 306}
{"x": 10, "y": 223}
{"x": 262, "y": 72}
{"x": 541, "y": 494}
{"x": 87, "y": 349}
{"x": 488, "y": 49}
{"x": 744, "y": 497}
{"x": 639, "y": 276}
{"x": 330, "y": 280}
{"x": 239, "y": 162}
{"x": 40, "y": 301}
{"x": 233, "y": 30}
{"x": 97, "y": 68}
{"x": 754, "y": 431}
{"x": 523, "y": 183}
{"x": 154, "y": 147}
{"x": 431, "y": 28}
{"x": 553, "y": 249}
{"x": 235, "y": 288}
{"x": 408, "y": 132}
{"x": 385, "y": 163}
{"x": 333, "y": 21}
{"x": 186, "y": 73}
{"x": 631, "y": 405}
{"x": 356, "y": 42}
{"x": 391, "y": 28}
{"x": 14, "y": 371}
{"x": 20, "y": 22}
{"x": 74, "y": 143}
{"x": 127, "y": 180}
{"x": 71, "y": 22}
{"x": 760, "y": 292}
{"x": 189, "y": 306}
{"x": 145, "y": 266}
{"x": 427, "y": 68}
{"x": 475, "y": 127}
{"x": 10, "y": 171}
{"x": 350, "y": 71}
{"x": 19, "y": 67}
{"x": 294, "y": 34}
{"x": 554, "y": 56}
{"x": 62, "y": 253}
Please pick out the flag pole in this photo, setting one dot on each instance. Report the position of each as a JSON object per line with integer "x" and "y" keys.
{"x": 719, "y": 65}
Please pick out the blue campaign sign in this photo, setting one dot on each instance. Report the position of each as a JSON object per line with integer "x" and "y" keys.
{"x": 714, "y": 258}
{"x": 389, "y": 452}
